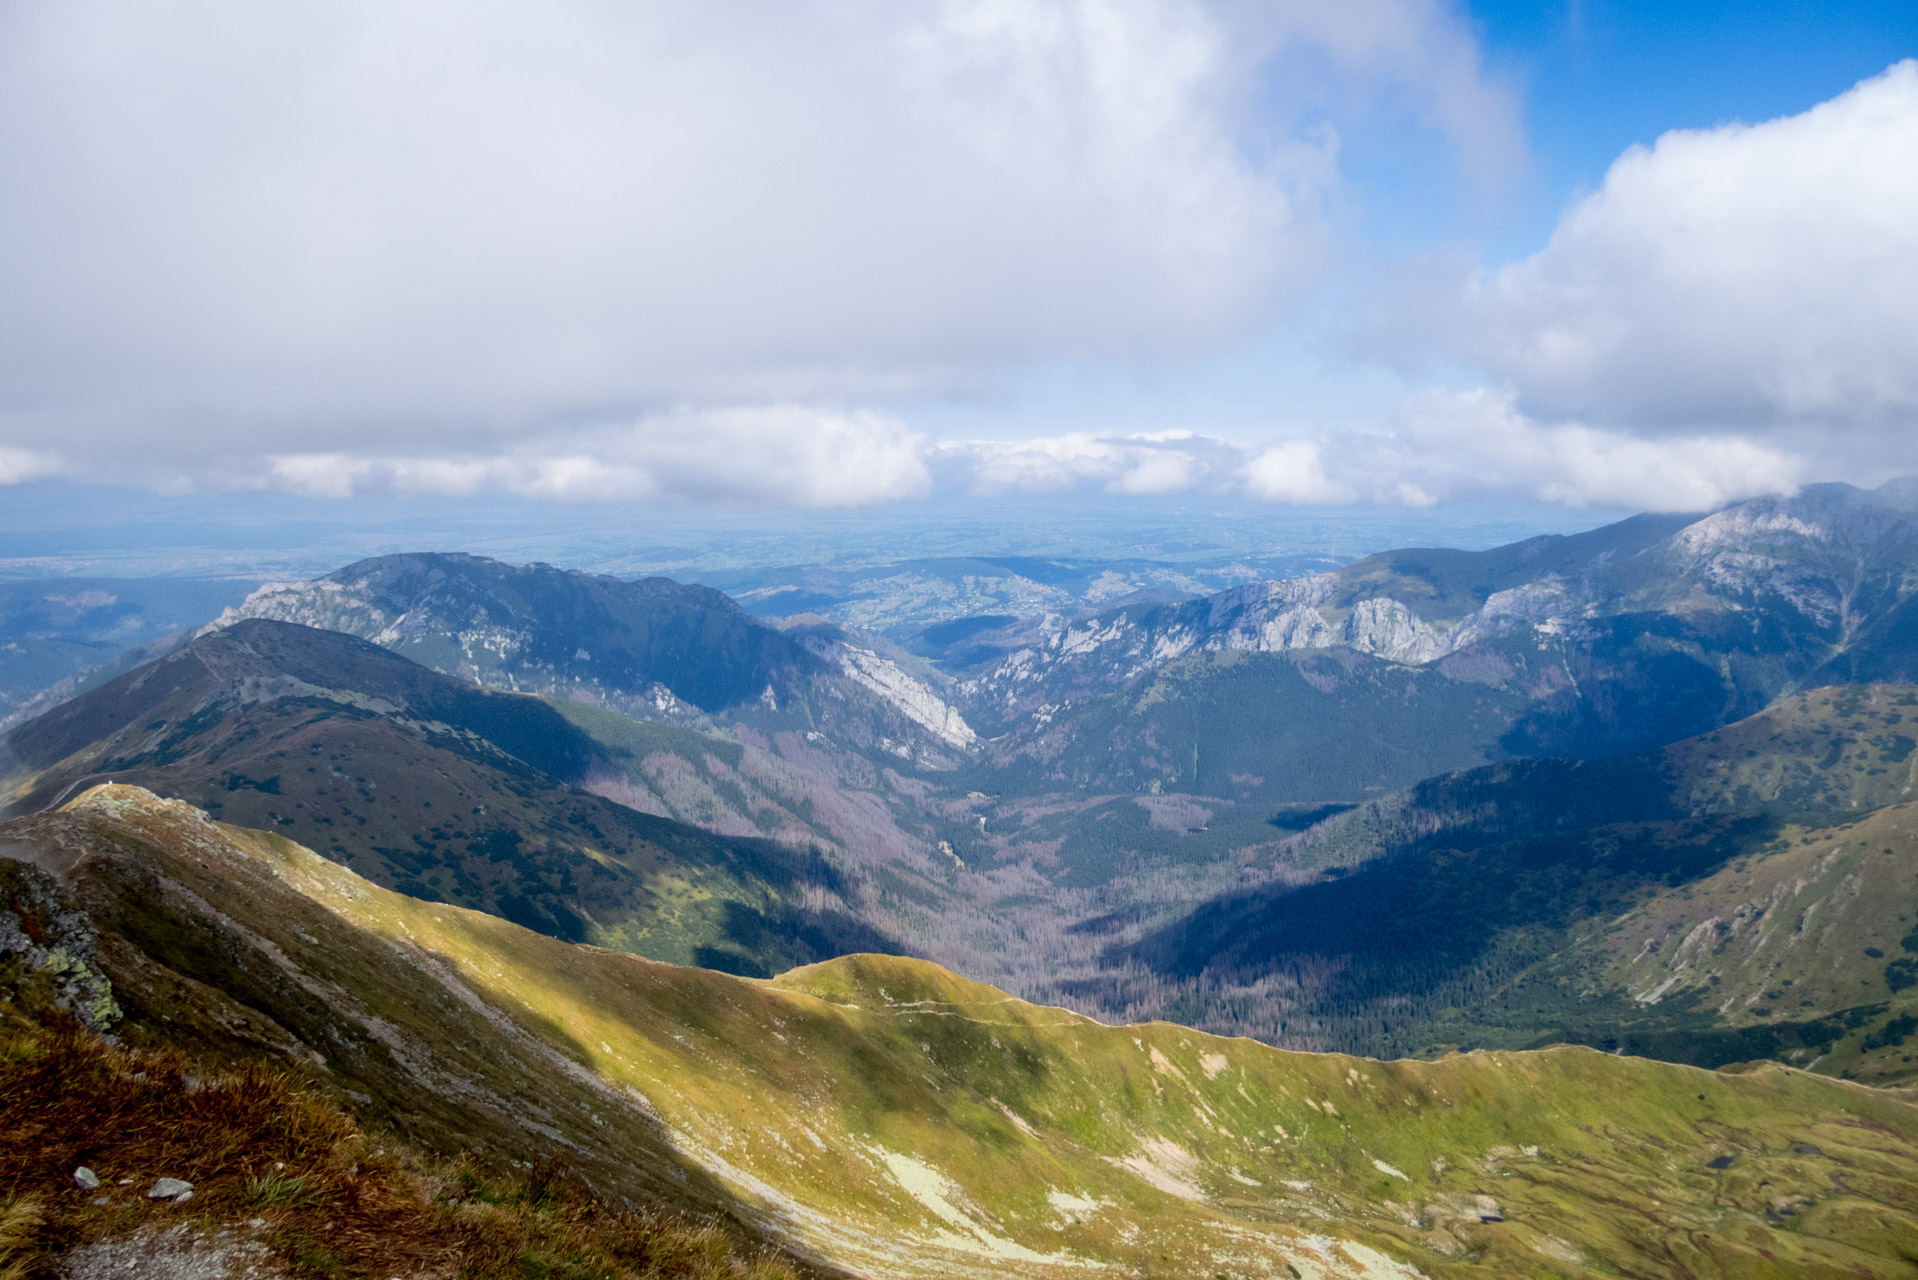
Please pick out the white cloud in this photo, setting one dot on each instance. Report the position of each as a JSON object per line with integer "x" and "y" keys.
{"x": 18, "y": 466}
{"x": 1443, "y": 446}
{"x": 1140, "y": 464}
{"x": 1158, "y": 473}
{"x": 422, "y": 211}
{"x": 1048, "y": 464}
{"x": 417, "y": 230}
{"x": 1471, "y": 445}
{"x": 1743, "y": 277}
{"x": 1293, "y": 472}
{"x": 1478, "y": 444}
{"x": 784, "y": 455}
{"x": 423, "y": 208}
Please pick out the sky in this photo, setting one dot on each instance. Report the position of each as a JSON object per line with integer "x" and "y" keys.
{"x": 846, "y": 255}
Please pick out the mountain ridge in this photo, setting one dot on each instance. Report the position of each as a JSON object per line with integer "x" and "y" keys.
{"x": 880, "y": 1115}
{"x": 1633, "y": 634}
{"x": 679, "y": 652}
{"x": 434, "y": 786}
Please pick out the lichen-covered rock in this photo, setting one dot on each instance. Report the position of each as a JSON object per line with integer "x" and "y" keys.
{"x": 47, "y": 950}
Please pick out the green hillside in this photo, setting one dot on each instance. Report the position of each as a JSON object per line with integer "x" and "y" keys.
{"x": 436, "y": 788}
{"x": 1669, "y": 902}
{"x": 1256, "y": 726}
{"x": 884, "y": 1116}
{"x": 1843, "y": 749}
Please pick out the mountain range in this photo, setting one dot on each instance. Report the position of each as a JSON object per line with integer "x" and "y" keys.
{"x": 436, "y": 787}
{"x": 1633, "y": 634}
{"x": 1168, "y": 788}
{"x": 677, "y": 652}
{"x": 1587, "y": 813}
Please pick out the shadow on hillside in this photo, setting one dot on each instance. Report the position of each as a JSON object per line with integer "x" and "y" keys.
{"x": 1418, "y": 932}
{"x": 758, "y": 944}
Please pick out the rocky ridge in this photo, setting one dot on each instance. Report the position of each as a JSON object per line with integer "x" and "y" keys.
{"x": 659, "y": 649}
{"x": 1826, "y": 562}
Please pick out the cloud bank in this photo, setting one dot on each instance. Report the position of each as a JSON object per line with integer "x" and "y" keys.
{"x": 349, "y": 215}
{"x": 786, "y": 454}
{"x": 1749, "y": 277}
{"x": 426, "y": 230}
{"x": 1442, "y": 446}
{"x": 720, "y": 251}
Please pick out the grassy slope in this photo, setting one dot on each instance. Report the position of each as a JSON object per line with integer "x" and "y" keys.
{"x": 1820, "y": 924}
{"x": 433, "y": 787}
{"x": 1515, "y": 902}
{"x": 1790, "y": 950}
{"x": 903, "y": 1121}
{"x": 1835, "y": 750}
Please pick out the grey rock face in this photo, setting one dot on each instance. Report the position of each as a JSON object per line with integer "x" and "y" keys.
{"x": 47, "y": 949}
{"x": 643, "y": 647}
{"x": 1821, "y": 565}
{"x": 170, "y": 1189}
{"x": 86, "y": 1178}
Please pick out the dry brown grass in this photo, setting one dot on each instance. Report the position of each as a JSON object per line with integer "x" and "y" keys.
{"x": 20, "y": 1219}
{"x": 336, "y": 1202}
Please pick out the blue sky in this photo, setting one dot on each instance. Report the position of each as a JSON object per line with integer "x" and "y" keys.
{"x": 863, "y": 254}
{"x": 1598, "y": 77}
{"x": 1589, "y": 80}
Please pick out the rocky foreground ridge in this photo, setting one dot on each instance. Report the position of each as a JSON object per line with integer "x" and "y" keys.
{"x": 880, "y": 1116}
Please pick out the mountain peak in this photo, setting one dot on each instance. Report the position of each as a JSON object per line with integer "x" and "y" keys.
{"x": 653, "y": 648}
{"x": 880, "y": 981}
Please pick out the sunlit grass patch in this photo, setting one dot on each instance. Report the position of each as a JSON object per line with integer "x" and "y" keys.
{"x": 277, "y": 1191}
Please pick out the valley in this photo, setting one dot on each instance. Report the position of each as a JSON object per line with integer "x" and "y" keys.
{"x": 1059, "y": 640}
{"x": 1576, "y": 878}
{"x": 1127, "y": 811}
